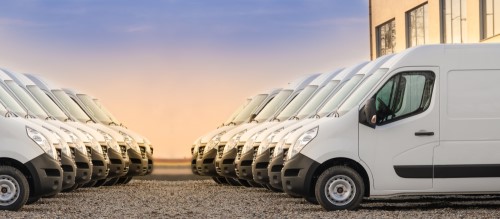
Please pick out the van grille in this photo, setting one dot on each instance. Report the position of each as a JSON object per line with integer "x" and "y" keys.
{"x": 143, "y": 151}
{"x": 255, "y": 149}
{"x": 123, "y": 149}
{"x": 285, "y": 152}
{"x": 104, "y": 151}
{"x": 89, "y": 152}
{"x": 201, "y": 149}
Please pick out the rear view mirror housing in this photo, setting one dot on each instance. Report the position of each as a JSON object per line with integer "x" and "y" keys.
{"x": 368, "y": 113}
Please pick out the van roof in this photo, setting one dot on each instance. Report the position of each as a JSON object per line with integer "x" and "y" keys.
{"x": 325, "y": 78}
{"x": 476, "y": 55}
{"x": 18, "y": 78}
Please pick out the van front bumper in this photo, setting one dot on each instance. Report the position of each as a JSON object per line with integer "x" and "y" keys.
{"x": 46, "y": 176}
{"x": 193, "y": 163}
{"x": 83, "y": 167}
{"x": 259, "y": 168}
{"x": 274, "y": 171}
{"x": 224, "y": 165}
{"x": 118, "y": 163}
{"x": 297, "y": 175}
{"x": 205, "y": 162}
{"x": 69, "y": 171}
{"x": 243, "y": 165}
{"x": 150, "y": 164}
{"x": 100, "y": 166}
{"x": 138, "y": 163}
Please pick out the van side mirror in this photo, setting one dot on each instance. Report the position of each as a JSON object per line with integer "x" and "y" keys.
{"x": 368, "y": 114}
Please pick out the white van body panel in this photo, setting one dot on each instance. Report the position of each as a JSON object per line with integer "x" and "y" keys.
{"x": 15, "y": 141}
{"x": 229, "y": 134}
{"x": 460, "y": 153}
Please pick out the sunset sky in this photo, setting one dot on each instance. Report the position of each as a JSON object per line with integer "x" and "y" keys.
{"x": 173, "y": 70}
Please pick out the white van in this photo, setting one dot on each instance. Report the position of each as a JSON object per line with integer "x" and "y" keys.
{"x": 90, "y": 159}
{"x": 271, "y": 109}
{"x": 136, "y": 145}
{"x": 206, "y": 149}
{"x": 427, "y": 123}
{"x": 114, "y": 144}
{"x": 29, "y": 164}
{"x": 280, "y": 143}
{"x": 264, "y": 140}
{"x": 244, "y": 161}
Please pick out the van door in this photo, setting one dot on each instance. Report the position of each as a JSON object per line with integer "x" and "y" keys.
{"x": 468, "y": 158}
{"x": 399, "y": 149}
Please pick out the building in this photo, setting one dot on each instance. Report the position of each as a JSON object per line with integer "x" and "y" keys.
{"x": 399, "y": 24}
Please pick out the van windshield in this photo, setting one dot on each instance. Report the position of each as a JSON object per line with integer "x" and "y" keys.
{"x": 105, "y": 110}
{"x": 363, "y": 89}
{"x": 244, "y": 115}
{"x": 336, "y": 99}
{"x": 71, "y": 106}
{"x": 236, "y": 112}
{"x": 317, "y": 99}
{"x": 47, "y": 103}
{"x": 26, "y": 99}
{"x": 297, "y": 102}
{"x": 98, "y": 113}
{"x": 11, "y": 103}
{"x": 271, "y": 108}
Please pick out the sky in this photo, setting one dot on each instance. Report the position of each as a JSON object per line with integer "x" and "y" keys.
{"x": 173, "y": 70}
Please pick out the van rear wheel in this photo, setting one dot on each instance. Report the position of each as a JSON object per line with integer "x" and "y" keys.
{"x": 339, "y": 188}
{"x": 14, "y": 189}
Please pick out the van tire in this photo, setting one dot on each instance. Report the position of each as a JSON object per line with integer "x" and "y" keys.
{"x": 232, "y": 181}
{"x": 33, "y": 199}
{"x": 311, "y": 200}
{"x": 244, "y": 182}
{"x": 15, "y": 184}
{"x": 339, "y": 188}
{"x": 127, "y": 180}
{"x": 100, "y": 182}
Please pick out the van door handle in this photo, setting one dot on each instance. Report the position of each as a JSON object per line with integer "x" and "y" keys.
{"x": 424, "y": 133}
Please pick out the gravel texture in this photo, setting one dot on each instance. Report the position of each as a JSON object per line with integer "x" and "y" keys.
{"x": 206, "y": 199}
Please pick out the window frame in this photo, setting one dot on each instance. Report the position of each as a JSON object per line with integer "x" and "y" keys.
{"x": 443, "y": 22}
{"x": 378, "y": 37}
{"x": 429, "y": 75}
{"x": 407, "y": 24}
{"x": 482, "y": 20}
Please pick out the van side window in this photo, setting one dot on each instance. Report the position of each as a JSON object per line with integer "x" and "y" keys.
{"x": 403, "y": 95}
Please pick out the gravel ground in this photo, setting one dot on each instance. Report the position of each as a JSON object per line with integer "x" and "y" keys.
{"x": 205, "y": 199}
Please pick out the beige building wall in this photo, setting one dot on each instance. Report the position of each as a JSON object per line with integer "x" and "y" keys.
{"x": 382, "y": 11}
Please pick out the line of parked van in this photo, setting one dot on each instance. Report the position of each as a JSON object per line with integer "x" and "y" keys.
{"x": 58, "y": 140}
{"x": 424, "y": 121}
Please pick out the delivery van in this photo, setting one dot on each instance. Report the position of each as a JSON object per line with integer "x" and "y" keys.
{"x": 30, "y": 166}
{"x": 206, "y": 152}
{"x": 244, "y": 162}
{"x": 114, "y": 143}
{"x": 271, "y": 109}
{"x": 280, "y": 142}
{"x": 90, "y": 159}
{"x": 266, "y": 148}
{"x": 136, "y": 147}
{"x": 426, "y": 124}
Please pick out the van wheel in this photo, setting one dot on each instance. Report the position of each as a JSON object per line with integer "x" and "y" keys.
{"x": 14, "y": 189}
{"x": 33, "y": 199}
{"x": 121, "y": 180}
{"x": 270, "y": 187}
{"x": 311, "y": 200}
{"x": 72, "y": 188}
{"x": 90, "y": 184}
{"x": 111, "y": 182}
{"x": 339, "y": 188}
{"x": 254, "y": 184}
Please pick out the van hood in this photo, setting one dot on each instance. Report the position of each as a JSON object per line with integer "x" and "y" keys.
{"x": 207, "y": 137}
{"x": 297, "y": 125}
{"x": 80, "y": 126}
{"x": 247, "y": 126}
{"x": 273, "y": 128}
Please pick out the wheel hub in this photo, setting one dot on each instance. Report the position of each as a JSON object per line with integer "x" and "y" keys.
{"x": 340, "y": 190}
{"x": 9, "y": 190}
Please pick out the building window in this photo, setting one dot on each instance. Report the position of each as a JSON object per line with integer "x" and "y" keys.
{"x": 417, "y": 26}
{"x": 490, "y": 18}
{"x": 386, "y": 38}
{"x": 454, "y": 21}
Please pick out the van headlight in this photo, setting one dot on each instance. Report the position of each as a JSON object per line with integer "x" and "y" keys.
{"x": 249, "y": 144}
{"x": 302, "y": 141}
{"x": 42, "y": 141}
{"x": 93, "y": 142}
{"x": 233, "y": 141}
{"x": 77, "y": 141}
{"x": 64, "y": 145}
{"x": 110, "y": 141}
{"x": 265, "y": 144}
{"x": 131, "y": 143}
{"x": 214, "y": 141}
